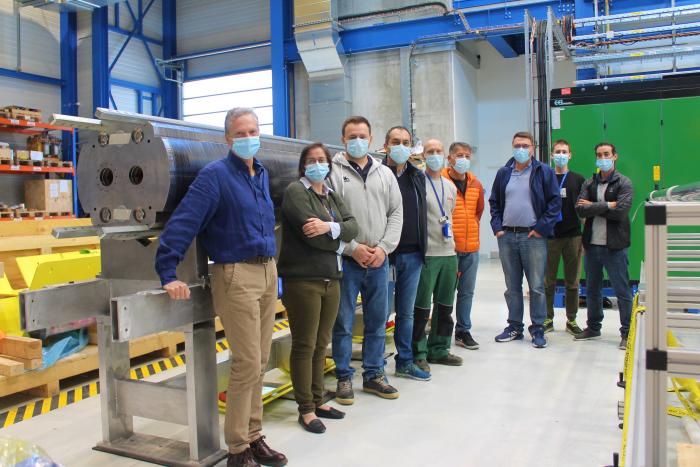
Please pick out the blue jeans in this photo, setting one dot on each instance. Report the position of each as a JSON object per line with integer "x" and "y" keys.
{"x": 468, "y": 263}
{"x": 520, "y": 255}
{"x": 407, "y": 267}
{"x": 372, "y": 284}
{"x": 615, "y": 263}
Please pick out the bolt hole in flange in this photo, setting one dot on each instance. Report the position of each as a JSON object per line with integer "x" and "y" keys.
{"x": 136, "y": 175}
{"x": 105, "y": 215}
{"x": 106, "y": 176}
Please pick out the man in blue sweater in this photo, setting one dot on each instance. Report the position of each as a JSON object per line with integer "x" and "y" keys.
{"x": 525, "y": 205}
{"x": 229, "y": 207}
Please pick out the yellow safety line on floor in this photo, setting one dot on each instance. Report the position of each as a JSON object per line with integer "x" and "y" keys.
{"x": 69, "y": 396}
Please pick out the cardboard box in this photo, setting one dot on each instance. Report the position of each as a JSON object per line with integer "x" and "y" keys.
{"x": 6, "y": 153}
{"x": 49, "y": 195}
{"x": 22, "y": 155}
{"x": 36, "y": 155}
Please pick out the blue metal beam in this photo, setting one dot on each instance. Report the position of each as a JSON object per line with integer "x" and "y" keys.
{"x": 135, "y": 86}
{"x": 125, "y": 32}
{"x": 69, "y": 63}
{"x": 136, "y": 29}
{"x": 100, "y": 59}
{"x": 281, "y": 14}
{"x": 8, "y": 73}
{"x": 584, "y": 9}
{"x": 500, "y": 20}
{"x": 171, "y": 97}
{"x": 502, "y": 46}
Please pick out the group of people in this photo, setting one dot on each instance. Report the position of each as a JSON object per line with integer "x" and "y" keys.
{"x": 385, "y": 230}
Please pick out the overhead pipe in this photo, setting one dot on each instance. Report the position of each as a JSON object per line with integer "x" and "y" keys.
{"x": 688, "y": 193}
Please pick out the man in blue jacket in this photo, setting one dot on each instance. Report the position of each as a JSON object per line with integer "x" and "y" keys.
{"x": 525, "y": 205}
{"x": 229, "y": 207}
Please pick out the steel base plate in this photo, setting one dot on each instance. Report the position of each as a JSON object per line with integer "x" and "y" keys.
{"x": 157, "y": 450}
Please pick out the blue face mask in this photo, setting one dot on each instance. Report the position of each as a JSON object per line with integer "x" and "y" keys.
{"x": 521, "y": 155}
{"x": 399, "y": 153}
{"x": 561, "y": 160}
{"x": 358, "y": 147}
{"x": 317, "y": 172}
{"x": 435, "y": 162}
{"x": 462, "y": 165}
{"x": 605, "y": 165}
{"x": 246, "y": 148}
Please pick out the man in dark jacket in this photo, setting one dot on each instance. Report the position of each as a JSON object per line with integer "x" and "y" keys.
{"x": 525, "y": 205}
{"x": 605, "y": 202}
{"x": 407, "y": 260}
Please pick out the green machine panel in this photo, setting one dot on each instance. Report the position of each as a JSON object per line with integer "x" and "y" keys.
{"x": 654, "y": 124}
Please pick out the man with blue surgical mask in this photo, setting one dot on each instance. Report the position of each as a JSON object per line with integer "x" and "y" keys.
{"x": 565, "y": 244}
{"x": 406, "y": 261}
{"x": 371, "y": 192}
{"x": 525, "y": 205}
{"x": 228, "y": 206}
{"x": 605, "y": 202}
{"x": 436, "y": 286}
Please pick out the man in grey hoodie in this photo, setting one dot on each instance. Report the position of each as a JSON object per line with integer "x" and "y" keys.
{"x": 370, "y": 190}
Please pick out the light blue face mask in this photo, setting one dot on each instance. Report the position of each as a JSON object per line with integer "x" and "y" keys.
{"x": 317, "y": 172}
{"x": 399, "y": 153}
{"x": 246, "y": 148}
{"x": 462, "y": 165}
{"x": 521, "y": 155}
{"x": 358, "y": 147}
{"x": 435, "y": 162}
{"x": 605, "y": 165}
{"x": 561, "y": 160}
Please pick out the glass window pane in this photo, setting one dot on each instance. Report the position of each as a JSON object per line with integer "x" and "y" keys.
{"x": 266, "y": 129}
{"x": 226, "y": 102}
{"x": 231, "y": 83}
{"x": 214, "y": 119}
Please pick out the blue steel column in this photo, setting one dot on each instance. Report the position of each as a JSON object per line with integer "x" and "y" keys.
{"x": 170, "y": 92}
{"x": 281, "y": 14}
{"x": 69, "y": 89}
{"x": 584, "y": 9}
{"x": 100, "y": 59}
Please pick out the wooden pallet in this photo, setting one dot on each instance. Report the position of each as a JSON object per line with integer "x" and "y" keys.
{"x": 19, "y": 354}
{"x": 6, "y": 161}
{"x": 59, "y": 214}
{"x": 66, "y": 164}
{"x": 29, "y": 214}
{"x": 51, "y": 162}
{"x": 46, "y": 383}
{"x": 7, "y": 215}
{"x": 23, "y": 113}
{"x": 30, "y": 163}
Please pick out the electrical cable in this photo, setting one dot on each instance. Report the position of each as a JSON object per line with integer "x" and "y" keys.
{"x": 390, "y": 11}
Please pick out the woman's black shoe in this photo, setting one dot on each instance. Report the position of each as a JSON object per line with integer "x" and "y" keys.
{"x": 332, "y": 413}
{"x": 314, "y": 426}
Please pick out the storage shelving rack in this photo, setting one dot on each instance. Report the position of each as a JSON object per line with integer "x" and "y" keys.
{"x": 19, "y": 126}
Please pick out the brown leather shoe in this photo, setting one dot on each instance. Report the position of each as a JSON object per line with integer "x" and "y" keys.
{"x": 242, "y": 459}
{"x": 265, "y": 455}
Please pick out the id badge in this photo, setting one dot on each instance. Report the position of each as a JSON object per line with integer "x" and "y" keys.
{"x": 443, "y": 220}
{"x": 562, "y": 192}
{"x": 447, "y": 231}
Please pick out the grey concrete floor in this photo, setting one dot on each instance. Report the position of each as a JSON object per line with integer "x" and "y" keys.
{"x": 509, "y": 405}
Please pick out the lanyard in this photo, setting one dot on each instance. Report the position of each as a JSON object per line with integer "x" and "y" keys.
{"x": 442, "y": 211}
{"x": 563, "y": 180}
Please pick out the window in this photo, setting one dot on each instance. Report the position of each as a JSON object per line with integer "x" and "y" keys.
{"x": 206, "y": 101}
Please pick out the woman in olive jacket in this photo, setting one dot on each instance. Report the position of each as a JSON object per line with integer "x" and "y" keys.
{"x": 316, "y": 224}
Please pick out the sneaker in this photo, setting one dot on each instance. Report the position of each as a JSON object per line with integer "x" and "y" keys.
{"x": 380, "y": 387}
{"x": 509, "y": 334}
{"x": 449, "y": 360}
{"x": 538, "y": 340}
{"x": 587, "y": 335}
{"x": 423, "y": 365}
{"x": 343, "y": 393}
{"x": 464, "y": 339}
{"x": 548, "y": 325}
{"x": 412, "y": 371}
{"x": 572, "y": 328}
{"x": 623, "y": 343}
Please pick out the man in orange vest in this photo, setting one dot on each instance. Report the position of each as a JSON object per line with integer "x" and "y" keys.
{"x": 466, "y": 218}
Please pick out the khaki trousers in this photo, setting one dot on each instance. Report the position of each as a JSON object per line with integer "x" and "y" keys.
{"x": 245, "y": 296}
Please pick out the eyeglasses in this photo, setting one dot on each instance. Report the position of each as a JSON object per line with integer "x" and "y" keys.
{"x": 521, "y": 146}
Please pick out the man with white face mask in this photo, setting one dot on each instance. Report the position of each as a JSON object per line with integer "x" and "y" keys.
{"x": 229, "y": 207}
{"x": 466, "y": 219}
{"x": 566, "y": 242}
{"x": 371, "y": 192}
{"x": 406, "y": 261}
{"x": 439, "y": 275}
